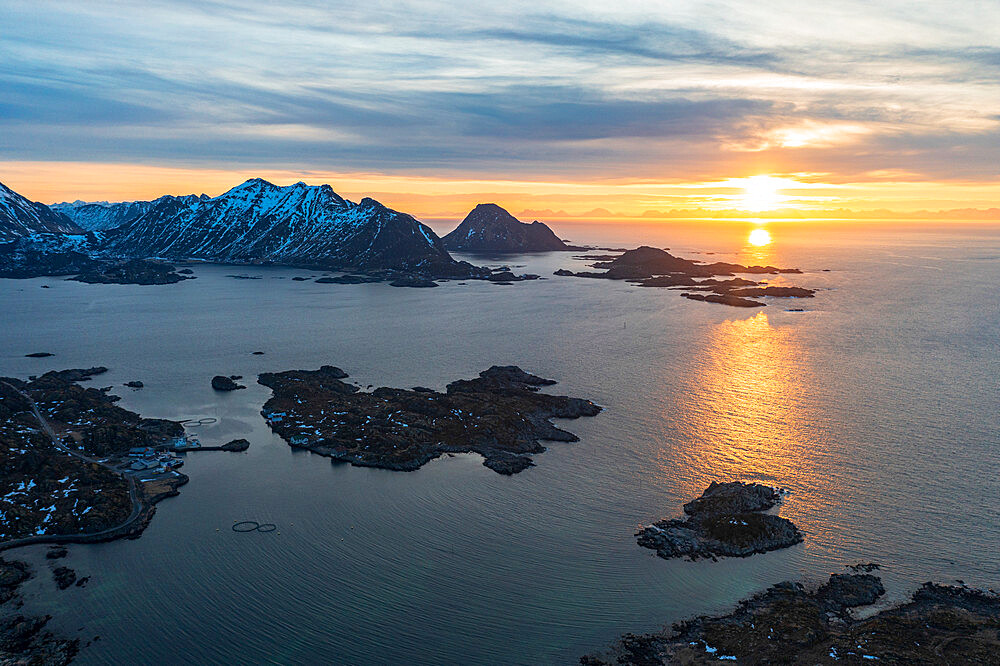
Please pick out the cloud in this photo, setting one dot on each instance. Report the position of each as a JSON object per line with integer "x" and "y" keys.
{"x": 542, "y": 87}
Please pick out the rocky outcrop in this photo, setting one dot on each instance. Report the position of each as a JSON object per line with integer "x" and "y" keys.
{"x": 789, "y": 624}
{"x": 727, "y": 520}
{"x": 500, "y": 415}
{"x": 236, "y": 445}
{"x": 724, "y": 299}
{"x": 24, "y": 640}
{"x": 64, "y": 577}
{"x": 776, "y": 292}
{"x": 490, "y": 228}
{"x": 223, "y": 383}
{"x": 349, "y": 279}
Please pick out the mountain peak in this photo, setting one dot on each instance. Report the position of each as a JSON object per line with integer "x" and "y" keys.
{"x": 491, "y": 228}
{"x": 252, "y": 185}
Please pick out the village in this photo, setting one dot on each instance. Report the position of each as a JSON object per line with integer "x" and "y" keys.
{"x": 149, "y": 462}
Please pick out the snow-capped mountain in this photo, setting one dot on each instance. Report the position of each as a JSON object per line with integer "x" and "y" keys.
{"x": 20, "y": 217}
{"x": 101, "y": 215}
{"x": 491, "y": 228}
{"x": 299, "y": 224}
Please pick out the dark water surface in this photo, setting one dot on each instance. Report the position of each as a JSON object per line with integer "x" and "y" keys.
{"x": 877, "y": 407}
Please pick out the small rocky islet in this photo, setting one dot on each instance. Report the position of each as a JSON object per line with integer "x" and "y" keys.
{"x": 790, "y": 624}
{"x": 500, "y": 415}
{"x": 727, "y": 520}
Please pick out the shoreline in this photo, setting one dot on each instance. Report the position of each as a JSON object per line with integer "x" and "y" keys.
{"x": 827, "y": 624}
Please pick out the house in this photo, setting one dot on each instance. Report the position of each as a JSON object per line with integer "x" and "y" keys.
{"x": 144, "y": 464}
{"x": 169, "y": 463}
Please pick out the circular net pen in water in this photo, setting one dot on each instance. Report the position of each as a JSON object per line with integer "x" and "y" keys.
{"x": 194, "y": 423}
{"x": 246, "y": 526}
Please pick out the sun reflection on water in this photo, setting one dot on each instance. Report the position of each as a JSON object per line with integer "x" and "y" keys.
{"x": 743, "y": 410}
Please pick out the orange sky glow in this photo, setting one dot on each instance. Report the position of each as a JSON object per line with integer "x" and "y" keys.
{"x": 783, "y": 195}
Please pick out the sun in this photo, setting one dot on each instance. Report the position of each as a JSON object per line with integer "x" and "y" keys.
{"x": 759, "y": 237}
{"x": 762, "y": 193}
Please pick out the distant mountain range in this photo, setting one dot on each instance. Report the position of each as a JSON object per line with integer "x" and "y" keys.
{"x": 490, "y": 228}
{"x": 102, "y": 216}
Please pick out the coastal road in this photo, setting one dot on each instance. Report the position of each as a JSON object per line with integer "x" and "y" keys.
{"x": 133, "y": 487}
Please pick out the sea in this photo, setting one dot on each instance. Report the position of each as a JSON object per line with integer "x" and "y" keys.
{"x": 875, "y": 404}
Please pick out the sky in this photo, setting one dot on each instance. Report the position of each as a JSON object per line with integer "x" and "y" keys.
{"x": 552, "y": 109}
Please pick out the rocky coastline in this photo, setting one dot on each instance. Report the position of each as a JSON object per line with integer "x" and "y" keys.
{"x": 68, "y": 467}
{"x": 727, "y": 520}
{"x": 500, "y": 415}
{"x": 792, "y": 624}
{"x": 24, "y": 639}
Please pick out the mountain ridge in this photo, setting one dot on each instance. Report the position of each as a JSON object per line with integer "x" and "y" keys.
{"x": 20, "y": 217}
{"x": 260, "y": 222}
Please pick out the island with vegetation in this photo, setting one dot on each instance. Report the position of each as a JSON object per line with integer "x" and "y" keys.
{"x": 500, "y": 415}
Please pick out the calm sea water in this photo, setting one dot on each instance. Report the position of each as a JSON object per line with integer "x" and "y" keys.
{"x": 877, "y": 408}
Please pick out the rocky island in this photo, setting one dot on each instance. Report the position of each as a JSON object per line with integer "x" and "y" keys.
{"x": 500, "y": 415}
{"x": 652, "y": 267}
{"x": 728, "y": 520}
{"x": 788, "y": 624}
{"x": 490, "y": 228}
